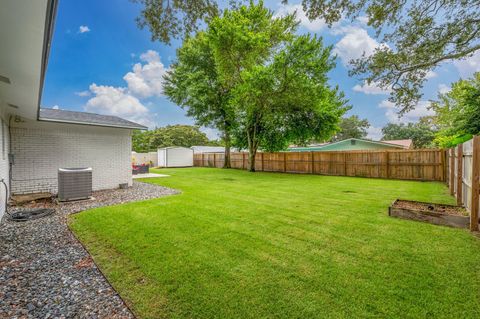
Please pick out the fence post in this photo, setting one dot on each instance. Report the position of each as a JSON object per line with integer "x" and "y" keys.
{"x": 262, "y": 160}
{"x": 459, "y": 174}
{"x": 243, "y": 160}
{"x": 344, "y": 163}
{"x": 312, "y": 158}
{"x": 284, "y": 162}
{"x": 443, "y": 157}
{"x": 387, "y": 160}
{"x": 475, "y": 183}
{"x": 215, "y": 160}
{"x": 452, "y": 171}
{"x": 203, "y": 160}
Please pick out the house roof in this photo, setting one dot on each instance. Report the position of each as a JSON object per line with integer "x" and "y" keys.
{"x": 403, "y": 143}
{"x": 329, "y": 145}
{"x": 73, "y": 117}
{"x": 367, "y": 141}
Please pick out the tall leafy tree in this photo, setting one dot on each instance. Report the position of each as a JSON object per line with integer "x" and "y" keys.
{"x": 279, "y": 80}
{"x": 193, "y": 83}
{"x": 421, "y": 34}
{"x": 457, "y": 113}
{"x": 421, "y": 133}
{"x": 352, "y": 127}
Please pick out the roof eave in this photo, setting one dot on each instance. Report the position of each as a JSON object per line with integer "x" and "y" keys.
{"x": 50, "y": 15}
{"x": 138, "y": 127}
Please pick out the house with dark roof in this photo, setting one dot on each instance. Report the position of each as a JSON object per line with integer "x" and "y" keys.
{"x": 37, "y": 142}
{"x": 355, "y": 144}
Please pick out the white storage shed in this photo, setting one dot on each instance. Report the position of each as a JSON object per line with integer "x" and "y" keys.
{"x": 175, "y": 156}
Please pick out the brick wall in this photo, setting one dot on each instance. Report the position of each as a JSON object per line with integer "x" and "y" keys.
{"x": 40, "y": 148}
{"x": 3, "y": 161}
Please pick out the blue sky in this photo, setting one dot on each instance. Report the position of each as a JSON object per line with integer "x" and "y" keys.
{"x": 101, "y": 62}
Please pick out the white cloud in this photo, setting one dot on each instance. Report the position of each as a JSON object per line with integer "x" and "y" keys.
{"x": 117, "y": 101}
{"x": 314, "y": 26}
{"x": 146, "y": 80}
{"x": 83, "y": 29}
{"x": 375, "y": 133}
{"x": 372, "y": 88}
{"x": 212, "y": 133}
{"x": 391, "y": 112}
{"x": 363, "y": 19}
{"x": 354, "y": 43}
{"x": 430, "y": 74}
{"x": 443, "y": 88}
{"x": 468, "y": 66}
{"x": 83, "y": 93}
{"x": 56, "y": 107}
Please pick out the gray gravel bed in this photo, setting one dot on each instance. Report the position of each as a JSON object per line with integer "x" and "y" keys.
{"x": 46, "y": 273}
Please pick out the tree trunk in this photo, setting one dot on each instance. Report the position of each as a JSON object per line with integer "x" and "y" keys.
{"x": 252, "y": 152}
{"x": 226, "y": 162}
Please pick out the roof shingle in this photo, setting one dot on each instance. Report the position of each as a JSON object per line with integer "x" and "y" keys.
{"x": 63, "y": 116}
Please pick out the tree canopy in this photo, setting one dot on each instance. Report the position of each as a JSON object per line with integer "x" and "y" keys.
{"x": 278, "y": 79}
{"x": 421, "y": 133}
{"x": 457, "y": 112}
{"x": 351, "y": 127}
{"x": 171, "y": 135}
{"x": 419, "y": 35}
{"x": 250, "y": 76}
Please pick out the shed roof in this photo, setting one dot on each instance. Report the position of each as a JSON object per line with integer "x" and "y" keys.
{"x": 73, "y": 117}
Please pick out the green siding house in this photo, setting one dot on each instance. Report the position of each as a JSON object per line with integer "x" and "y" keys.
{"x": 355, "y": 144}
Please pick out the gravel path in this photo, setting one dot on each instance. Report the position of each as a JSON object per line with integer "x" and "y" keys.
{"x": 46, "y": 273}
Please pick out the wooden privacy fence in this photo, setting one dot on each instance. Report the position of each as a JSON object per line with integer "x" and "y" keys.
{"x": 425, "y": 165}
{"x": 463, "y": 169}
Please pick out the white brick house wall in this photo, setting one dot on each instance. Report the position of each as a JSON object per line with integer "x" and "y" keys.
{"x": 3, "y": 162}
{"x": 41, "y": 148}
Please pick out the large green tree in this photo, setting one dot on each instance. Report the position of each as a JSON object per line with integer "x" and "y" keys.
{"x": 278, "y": 79}
{"x": 193, "y": 83}
{"x": 420, "y": 34}
{"x": 457, "y": 112}
{"x": 422, "y": 133}
{"x": 351, "y": 127}
{"x": 170, "y": 135}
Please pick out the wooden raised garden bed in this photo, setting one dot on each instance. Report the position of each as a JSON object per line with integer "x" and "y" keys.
{"x": 438, "y": 214}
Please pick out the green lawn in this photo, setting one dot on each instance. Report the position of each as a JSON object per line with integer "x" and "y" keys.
{"x": 268, "y": 245}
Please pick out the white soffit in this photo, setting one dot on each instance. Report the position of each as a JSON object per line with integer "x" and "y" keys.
{"x": 23, "y": 50}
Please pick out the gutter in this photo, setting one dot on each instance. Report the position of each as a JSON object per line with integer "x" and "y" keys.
{"x": 50, "y": 16}
{"x": 143, "y": 128}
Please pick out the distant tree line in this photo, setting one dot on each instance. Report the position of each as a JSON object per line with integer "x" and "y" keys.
{"x": 170, "y": 135}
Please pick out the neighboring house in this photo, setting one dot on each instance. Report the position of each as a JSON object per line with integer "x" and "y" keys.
{"x": 37, "y": 142}
{"x": 354, "y": 144}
